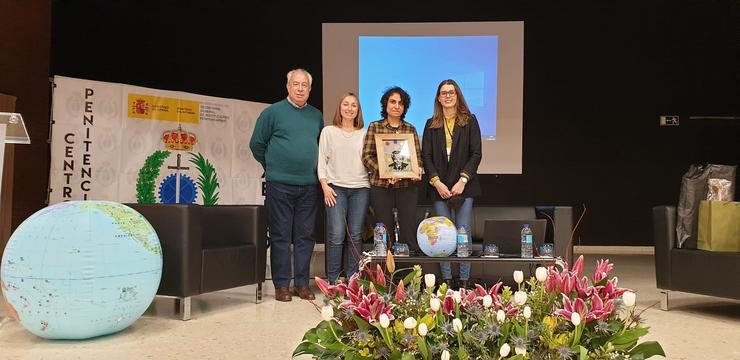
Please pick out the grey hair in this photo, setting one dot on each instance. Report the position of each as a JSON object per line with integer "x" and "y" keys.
{"x": 308, "y": 74}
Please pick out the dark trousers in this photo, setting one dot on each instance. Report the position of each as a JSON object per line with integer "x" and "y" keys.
{"x": 383, "y": 200}
{"x": 292, "y": 217}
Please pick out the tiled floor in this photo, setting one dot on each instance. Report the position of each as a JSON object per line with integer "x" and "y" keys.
{"x": 229, "y": 325}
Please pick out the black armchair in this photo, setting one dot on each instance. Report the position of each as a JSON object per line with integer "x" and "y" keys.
{"x": 208, "y": 248}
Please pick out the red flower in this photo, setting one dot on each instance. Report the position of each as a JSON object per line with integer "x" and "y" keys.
{"x": 331, "y": 291}
{"x": 400, "y": 292}
{"x": 371, "y": 307}
{"x": 603, "y": 268}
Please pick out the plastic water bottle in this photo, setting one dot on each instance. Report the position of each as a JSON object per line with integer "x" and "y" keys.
{"x": 463, "y": 242}
{"x": 527, "y": 240}
{"x": 380, "y": 239}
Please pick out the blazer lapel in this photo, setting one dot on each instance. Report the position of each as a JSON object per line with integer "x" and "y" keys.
{"x": 443, "y": 144}
{"x": 455, "y": 137}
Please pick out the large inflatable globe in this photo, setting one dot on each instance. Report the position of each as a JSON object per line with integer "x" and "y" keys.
{"x": 81, "y": 269}
{"x": 437, "y": 236}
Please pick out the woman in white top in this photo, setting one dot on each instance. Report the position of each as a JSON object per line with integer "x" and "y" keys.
{"x": 345, "y": 184}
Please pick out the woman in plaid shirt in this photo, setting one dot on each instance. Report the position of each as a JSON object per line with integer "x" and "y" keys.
{"x": 387, "y": 194}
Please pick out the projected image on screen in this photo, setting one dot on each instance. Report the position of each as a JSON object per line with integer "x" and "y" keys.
{"x": 419, "y": 63}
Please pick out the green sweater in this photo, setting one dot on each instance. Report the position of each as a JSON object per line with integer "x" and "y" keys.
{"x": 286, "y": 142}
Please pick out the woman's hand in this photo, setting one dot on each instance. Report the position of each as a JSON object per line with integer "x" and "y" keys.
{"x": 393, "y": 180}
{"x": 330, "y": 197}
{"x": 442, "y": 189}
{"x": 458, "y": 188}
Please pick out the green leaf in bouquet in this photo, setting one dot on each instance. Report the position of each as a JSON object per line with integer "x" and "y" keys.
{"x": 398, "y": 327}
{"x": 582, "y": 352}
{"x": 517, "y": 357}
{"x": 628, "y": 338}
{"x": 311, "y": 336}
{"x": 462, "y": 354}
{"x": 361, "y": 323}
{"x": 429, "y": 320}
{"x": 407, "y": 356}
{"x": 646, "y": 350}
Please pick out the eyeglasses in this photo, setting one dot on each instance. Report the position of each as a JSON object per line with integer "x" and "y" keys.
{"x": 450, "y": 93}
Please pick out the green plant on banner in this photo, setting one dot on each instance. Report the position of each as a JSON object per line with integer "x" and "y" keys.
{"x": 148, "y": 174}
{"x": 207, "y": 180}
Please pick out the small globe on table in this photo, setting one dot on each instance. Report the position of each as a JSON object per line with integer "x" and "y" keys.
{"x": 81, "y": 269}
{"x": 436, "y": 236}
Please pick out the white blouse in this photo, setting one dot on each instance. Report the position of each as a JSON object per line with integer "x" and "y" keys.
{"x": 340, "y": 157}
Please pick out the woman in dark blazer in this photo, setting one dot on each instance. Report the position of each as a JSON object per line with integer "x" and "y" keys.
{"x": 451, "y": 153}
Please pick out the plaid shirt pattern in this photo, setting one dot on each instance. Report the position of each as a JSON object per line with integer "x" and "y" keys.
{"x": 370, "y": 153}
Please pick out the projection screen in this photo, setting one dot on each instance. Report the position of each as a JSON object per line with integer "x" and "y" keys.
{"x": 485, "y": 58}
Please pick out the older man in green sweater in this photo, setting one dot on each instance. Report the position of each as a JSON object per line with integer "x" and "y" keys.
{"x": 285, "y": 142}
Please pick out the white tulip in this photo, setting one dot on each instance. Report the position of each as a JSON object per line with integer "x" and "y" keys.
{"x": 384, "y": 321}
{"x": 504, "y": 351}
{"x": 541, "y": 274}
{"x": 500, "y": 316}
{"x": 422, "y": 329}
{"x": 575, "y": 318}
{"x": 430, "y": 280}
{"x": 457, "y": 325}
{"x": 520, "y": 350}
{"x": 629, "y": 298}
{"x": 518, "y": 276}
{"x": 435, "y": 304}
{"x": 445, "y": 355}
{"x": 327, "y": 312}
{"x": 409, "y": 323}
{"x": 520, "y": 297}
{"x": 456, "y": 296}
{"x": 527, "y": 312}
{"x": 487, "y": 301}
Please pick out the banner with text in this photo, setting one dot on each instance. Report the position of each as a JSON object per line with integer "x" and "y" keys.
{"x": 132, "y": 144}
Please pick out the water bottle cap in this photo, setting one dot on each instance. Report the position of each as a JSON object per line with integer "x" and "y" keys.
{"x": 526, "y": 225}
{"x": 379, "y": 224}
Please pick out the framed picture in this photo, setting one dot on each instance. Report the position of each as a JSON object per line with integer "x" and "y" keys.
{"x": 396, "y": 156}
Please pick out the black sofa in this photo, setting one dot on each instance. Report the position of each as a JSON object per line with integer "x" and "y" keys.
{"x": 690, "y": 270}
{"x": 208, "y": 248}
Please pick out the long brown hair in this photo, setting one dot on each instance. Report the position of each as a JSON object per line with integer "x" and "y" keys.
{"x": 463, "y": 112}
{"x": 357, "y": 123}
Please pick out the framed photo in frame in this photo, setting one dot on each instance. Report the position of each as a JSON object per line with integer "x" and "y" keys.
{"x": 396, "y": 156}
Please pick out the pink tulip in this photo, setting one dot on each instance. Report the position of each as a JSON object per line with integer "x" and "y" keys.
{"x": 400, "y": 292}
{"x": 578, "y": 266}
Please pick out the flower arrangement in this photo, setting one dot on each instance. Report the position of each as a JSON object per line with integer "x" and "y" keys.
{"x": 558, "y": 314}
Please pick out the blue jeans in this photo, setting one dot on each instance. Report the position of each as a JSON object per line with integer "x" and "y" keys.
{"x": 462, "y": 216}
{"x": 291, "y": 211}
{"x": 346, "y": 217}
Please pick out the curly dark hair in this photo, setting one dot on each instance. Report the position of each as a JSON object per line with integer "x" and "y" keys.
{"x": 405, "y": 100}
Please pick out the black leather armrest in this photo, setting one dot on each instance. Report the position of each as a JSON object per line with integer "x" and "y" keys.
{"x": 230, "y": 225}
{"x": 664, "y": 235}
{"x": 179, "y": 231}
